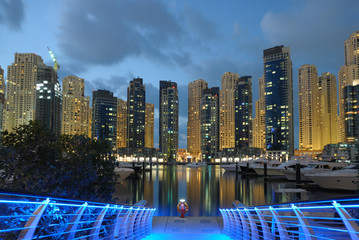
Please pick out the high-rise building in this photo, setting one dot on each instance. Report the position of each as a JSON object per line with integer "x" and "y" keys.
{"x": 194, "y": 117}
{"x": 136, "y": 97}
{"x": 209, "y": 123}
{"x": 351, "y": 96}
{"x": 21, "y": 90}
{"x": 259, "y": 123}
{"x": 149, "y": 125}
{"x": 104, "y": 116}
{"x": 75, "y": 107}
{"x": 2, "y": 97}
{"x": 278, "y": 100}
{"x": 48, "y": 99}
{"x": 347, "y": 74}
{"x": 229, "y": 83}
{"x": 168, "y": 126}
{"x": 328, "y": 109}
{"x": 243, "y": 113}
{"x": 309, "y": 108}
{"x": 121, "y": 123}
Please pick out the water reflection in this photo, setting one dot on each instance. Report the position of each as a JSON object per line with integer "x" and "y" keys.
{"x": 206, "y": 189}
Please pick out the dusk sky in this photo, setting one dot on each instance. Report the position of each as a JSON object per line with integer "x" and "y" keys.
{"x": 109, "y": 42}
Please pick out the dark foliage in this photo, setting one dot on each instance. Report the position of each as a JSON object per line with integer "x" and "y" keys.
{"x": 32, "y": 159}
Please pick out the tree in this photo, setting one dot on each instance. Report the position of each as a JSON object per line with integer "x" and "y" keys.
{"x": 32, "y": 159}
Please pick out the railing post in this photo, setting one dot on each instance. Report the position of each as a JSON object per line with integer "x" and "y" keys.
{"x": 308, "y": 231}
{"x": 254, "y": 229}
{"x": 225, "y": 221}
{"x": 265, "y": 228}
{"x": 281, "y": 227}
{"x": 237, "y": 225}
{"x": 351, "y": 226}
{"x": 116, "y": 228}
{"x": 31, "y": 224}
{"x": 71, "y": 228}
{"x": 149, "y": 221}
{"x": 96, "y": 226}
{"x": 245, "y": 229}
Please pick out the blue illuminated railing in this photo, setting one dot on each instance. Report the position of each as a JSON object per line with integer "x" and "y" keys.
{"x": 34, "y": 217}
{"x": 337, "y": 219}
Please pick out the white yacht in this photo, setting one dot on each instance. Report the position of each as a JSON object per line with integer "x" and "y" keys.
{"x": 258, "y": 166}
{"x": 196, "y": 164}
{"x": 123, "y": 173}
{"x": 344, "y": 179}
{"x": 275, "y": 170}
{"x": 315, "y": 167}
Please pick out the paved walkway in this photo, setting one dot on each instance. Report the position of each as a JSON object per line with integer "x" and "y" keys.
{"x": 199, "y": 228}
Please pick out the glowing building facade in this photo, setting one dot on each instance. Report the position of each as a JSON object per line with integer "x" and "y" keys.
{"x": 76, "y": 112}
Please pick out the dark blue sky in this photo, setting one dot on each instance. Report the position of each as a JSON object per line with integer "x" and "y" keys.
{"x": 109, "y": 42}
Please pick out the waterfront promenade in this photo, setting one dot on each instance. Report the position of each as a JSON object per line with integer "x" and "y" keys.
{"x": 199, "y": 228}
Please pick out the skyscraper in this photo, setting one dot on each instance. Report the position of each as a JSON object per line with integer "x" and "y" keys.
{"x": 149, "y": 125}
{"x": 2, "y": 97}
{"x": 48, "y": 99}
{"x": 243, "y": 113}
{"x": 75, "y": 107}
{"x": 227, "y": 125}
{"x": 210, "y": 123}
{"x": 328, "y": 109}
{"x": 347, "y": 74}
{"x": 351, "y": 96}
{"x": 278, "y": 100}
{"x": 168, "y": 129}
{"x": 21, "y": 92}
{"x": 259, "y": 124}
{"x": 309, "y": 108}
{"x": 136, "y": 113}
{"x": 121, "y": 123}
{"x": 194, "y": 117}
{"x": 104, "y": 116}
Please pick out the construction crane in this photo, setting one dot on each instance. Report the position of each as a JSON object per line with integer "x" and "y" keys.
{"x": 53, "y": 57}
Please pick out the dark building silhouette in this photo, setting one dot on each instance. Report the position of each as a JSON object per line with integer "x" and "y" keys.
{"x": 136, "y": 106}
{"x": 104, "y": 116}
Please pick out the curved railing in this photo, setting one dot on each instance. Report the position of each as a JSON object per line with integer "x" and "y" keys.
{"x": 35, "y": 217}
{"x": 332, "y": 219}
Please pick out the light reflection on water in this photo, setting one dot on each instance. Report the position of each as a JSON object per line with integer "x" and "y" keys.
{"x": 206, "y": 189}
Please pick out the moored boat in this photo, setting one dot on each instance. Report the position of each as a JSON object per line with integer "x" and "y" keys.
{"x": 343, "y": 179}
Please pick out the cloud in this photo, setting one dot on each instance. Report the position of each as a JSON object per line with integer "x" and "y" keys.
{"x": 199, "y": 25}
{"x": 12, "y": 13}
{"x": 108, "y": 32}
{"x": 315, "y": 30}
{"x": 236, "y": 29}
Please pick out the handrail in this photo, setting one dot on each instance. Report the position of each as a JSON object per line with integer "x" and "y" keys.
{"x": 33, "y": 217}
{"x": 326, "y": 219}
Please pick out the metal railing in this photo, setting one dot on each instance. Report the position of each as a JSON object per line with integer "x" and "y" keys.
{"x": 332, "y": 219}
{"x": 35, "y": 217}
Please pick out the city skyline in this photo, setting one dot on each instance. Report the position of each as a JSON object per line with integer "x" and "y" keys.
{"x": 234, "y": 44}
